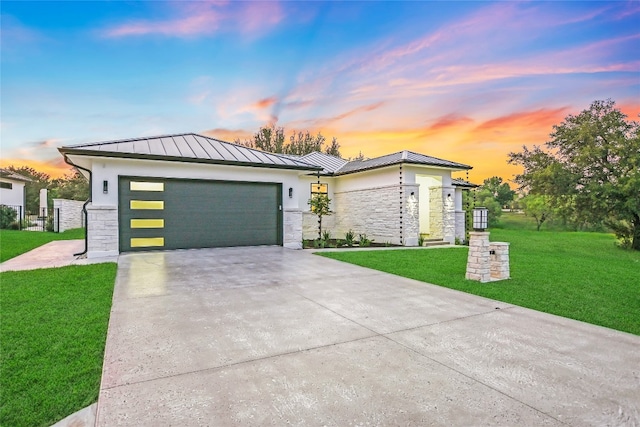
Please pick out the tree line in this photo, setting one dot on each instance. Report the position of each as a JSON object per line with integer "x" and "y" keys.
{"x": 586, "y": 176}
{"x": 72, "y": 186}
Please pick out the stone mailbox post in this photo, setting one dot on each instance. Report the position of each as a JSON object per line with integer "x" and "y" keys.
{"x": 487, "y": 261}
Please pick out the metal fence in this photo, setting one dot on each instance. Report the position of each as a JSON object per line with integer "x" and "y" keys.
{"x": 20, "y": 219}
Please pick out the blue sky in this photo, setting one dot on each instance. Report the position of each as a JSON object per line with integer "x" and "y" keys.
{"x": 467, "y": 81}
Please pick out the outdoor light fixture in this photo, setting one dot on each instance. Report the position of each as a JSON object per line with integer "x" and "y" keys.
{"x": 412, "y": 193}
{"x": 105, "y": 187}
{"x": 290, "y": 192}
{"x": 480, "y": 218}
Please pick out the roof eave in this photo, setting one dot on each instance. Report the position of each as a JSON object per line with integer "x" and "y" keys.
{"x": 404, "y": 161}
{"x": 111, "y": 154}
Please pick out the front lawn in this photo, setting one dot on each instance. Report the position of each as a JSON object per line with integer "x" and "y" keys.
{"x": 582, "y": 276}
{"x": 14, "y": 242}
{"x": 52, "y": 334}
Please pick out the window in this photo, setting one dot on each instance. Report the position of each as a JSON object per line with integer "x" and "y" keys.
{"x": 319, "y": 189}
{"x": 6, "y": 185}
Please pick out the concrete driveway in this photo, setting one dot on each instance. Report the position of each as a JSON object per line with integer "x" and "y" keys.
{"x": 269, "y": 336}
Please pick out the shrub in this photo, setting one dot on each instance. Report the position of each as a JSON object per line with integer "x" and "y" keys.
{"x": 365, "y": 241}
{"x": 421, "y": 240}
{"x": 349, "y": 238}
{"x": 8, "y": 216}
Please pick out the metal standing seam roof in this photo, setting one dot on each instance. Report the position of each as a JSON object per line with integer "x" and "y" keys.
{"x": 397, "y": 158}
{"x": 457, "y": 182}
{"x": 9, "y": 174}
{"x": 188, "y": 147}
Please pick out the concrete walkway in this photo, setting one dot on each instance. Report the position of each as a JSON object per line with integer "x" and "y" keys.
{"x": 269, "y": 336}
{"x": 58, "y": 253}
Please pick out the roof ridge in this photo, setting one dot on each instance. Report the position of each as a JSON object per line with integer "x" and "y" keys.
{"x": 118, "y": 141}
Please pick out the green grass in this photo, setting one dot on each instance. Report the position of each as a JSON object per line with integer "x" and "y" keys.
{"x": 14, "y": 242}
{"x": 52, "y": 334}
{"x": 577, "y": 275}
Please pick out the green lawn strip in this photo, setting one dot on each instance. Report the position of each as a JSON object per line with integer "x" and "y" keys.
{"x": 581, "y": 276}
{"x": 52, "y": 333}
{"x": 14, "y": 242}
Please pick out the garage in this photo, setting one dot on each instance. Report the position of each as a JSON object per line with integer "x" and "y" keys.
{"x": 159, "y": 214}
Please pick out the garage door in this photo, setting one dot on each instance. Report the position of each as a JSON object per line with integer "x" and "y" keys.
{"x": 179, "y": 214}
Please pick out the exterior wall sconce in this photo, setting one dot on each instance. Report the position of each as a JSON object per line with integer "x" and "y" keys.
{"x": 290, "y": 192}
{"x": 105, "y": 187}
{"x": 480, "y": 218}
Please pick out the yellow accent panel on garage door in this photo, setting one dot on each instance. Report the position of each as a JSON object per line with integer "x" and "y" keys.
{"x": 147, "y": 242}
{"x": 147, "y": 223}
{"x": 146, "y": 186}
{"x": 147, "y": 204}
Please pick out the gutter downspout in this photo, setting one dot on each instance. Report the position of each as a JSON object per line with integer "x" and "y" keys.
{"x": 84, "y": 206}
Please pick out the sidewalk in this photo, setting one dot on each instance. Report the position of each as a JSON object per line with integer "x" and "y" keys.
{"x": 58, "y": 253}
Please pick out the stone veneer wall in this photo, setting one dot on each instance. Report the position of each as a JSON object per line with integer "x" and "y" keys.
{"x": 310, "y": 225}
{"x": 411, "y": 215}
{"x": 448, "y": 215}
{"x": 373, "y": 211}
{"x": 292, "y": 224}
{"x": 68, "y": 214}
{"x": 483, "y": 265}
{"x": 499, "y": 260}
{"x": 436, "y": 213}
{"x": 102, "y": 231}
{"x": 478, "y": 262}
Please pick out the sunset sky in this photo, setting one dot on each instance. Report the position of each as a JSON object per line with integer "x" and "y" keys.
{"x": 465, "y": 81}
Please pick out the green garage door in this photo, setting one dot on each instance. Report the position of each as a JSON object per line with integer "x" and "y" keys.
{"x": 179, "y": 214}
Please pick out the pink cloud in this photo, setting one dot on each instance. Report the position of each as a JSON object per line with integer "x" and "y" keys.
{"x": 205, "y": 18}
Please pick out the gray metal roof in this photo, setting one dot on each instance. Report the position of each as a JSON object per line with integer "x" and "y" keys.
{"x": 457, "y": 182}
{"x": 188, "y": 147}
{"x": 330, "y": 164}
{"x": 397, "y": 158}
{"x": 9, "y": 174}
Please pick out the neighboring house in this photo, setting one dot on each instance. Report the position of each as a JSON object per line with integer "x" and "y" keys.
{"x": 190, "y": 191}
{"x": 12, "y": 192}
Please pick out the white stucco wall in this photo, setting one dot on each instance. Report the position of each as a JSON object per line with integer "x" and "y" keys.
{"x": 13, "y": 196}
{"x": 103, "y": 237}
{"x": 67, "y": 214}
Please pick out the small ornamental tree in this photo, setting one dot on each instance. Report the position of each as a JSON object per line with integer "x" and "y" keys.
{"x": 319, "y": 204}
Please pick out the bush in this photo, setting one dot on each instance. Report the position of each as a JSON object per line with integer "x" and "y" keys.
{"x": 349, "y": 238}
{"x": 7, "y": 216}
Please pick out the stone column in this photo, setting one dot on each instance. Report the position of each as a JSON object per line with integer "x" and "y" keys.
{"x": 478, "y": 261}
{"x": 499, "y": 252}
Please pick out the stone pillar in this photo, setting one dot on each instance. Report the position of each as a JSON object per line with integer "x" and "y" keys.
{"x": 102, "y": 231}
{"x": 411, "y": 215}
{"x": 449, "y": 215}
{"x": 292, "y": 237}
{"x": 499, "y": 252}
{"x": 478, "y": 261}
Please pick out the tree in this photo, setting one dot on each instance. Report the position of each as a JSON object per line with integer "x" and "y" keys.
{"x": 302, "y": 143}
{"x": 502, "y": 192}
{"x": 538, "y": 207}
{"x": 319, "y": 204}
{"x": 39, "y": 180}
{"x": 590, "y": 170}
{"x": 485, "y": 198}
{"x": 272, "y": 139}
{"x": 73, "y": 186}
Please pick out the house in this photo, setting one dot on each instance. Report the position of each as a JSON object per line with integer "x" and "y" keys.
{"x": 192, "y": 191}
{"x": 12, "y": 191}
